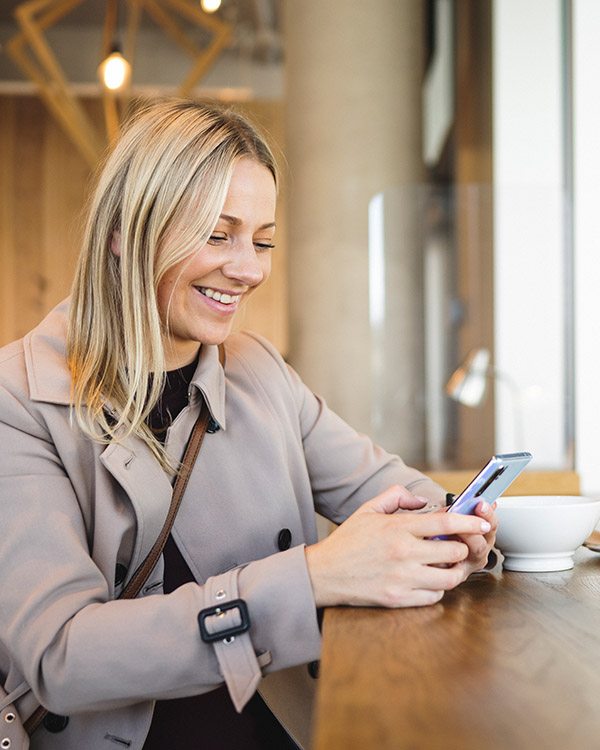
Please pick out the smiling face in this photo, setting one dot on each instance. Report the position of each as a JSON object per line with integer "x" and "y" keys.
{"x": 198, "y": 297}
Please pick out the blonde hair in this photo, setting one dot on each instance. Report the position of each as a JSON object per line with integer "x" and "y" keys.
{"x": 171, "y": 167}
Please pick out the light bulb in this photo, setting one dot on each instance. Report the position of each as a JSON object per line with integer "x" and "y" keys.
{"x": 114, "y": 70}
{"x": 210, "y": 6}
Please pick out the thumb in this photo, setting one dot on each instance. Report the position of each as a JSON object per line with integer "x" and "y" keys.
{"x": 391, "y": 500}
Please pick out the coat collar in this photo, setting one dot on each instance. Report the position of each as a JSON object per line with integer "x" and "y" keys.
{"x": 45, "y": 349}
{"x": 209, "y": 379}
{"x": 49, "y": 377}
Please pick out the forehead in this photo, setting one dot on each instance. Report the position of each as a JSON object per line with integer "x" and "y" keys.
{"x": 250, "y": 194}
{"x": 250, "y": 176}
{"x": 251, "y": 189}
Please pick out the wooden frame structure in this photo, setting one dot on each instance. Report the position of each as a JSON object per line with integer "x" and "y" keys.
{"x": 32, "y": 53}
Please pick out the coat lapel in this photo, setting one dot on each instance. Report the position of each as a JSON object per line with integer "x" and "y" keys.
{"x": 147, "y": 486}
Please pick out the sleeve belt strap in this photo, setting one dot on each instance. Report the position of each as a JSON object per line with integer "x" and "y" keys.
{"x": 226, "y": 625}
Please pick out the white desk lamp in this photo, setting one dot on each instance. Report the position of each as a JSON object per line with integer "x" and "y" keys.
{"x": 468, "y": 385}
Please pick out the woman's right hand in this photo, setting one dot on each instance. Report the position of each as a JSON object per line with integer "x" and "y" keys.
{"x": 378, "y": 557}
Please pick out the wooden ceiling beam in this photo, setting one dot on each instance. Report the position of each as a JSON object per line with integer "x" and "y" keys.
{"x": 32, "y": 53}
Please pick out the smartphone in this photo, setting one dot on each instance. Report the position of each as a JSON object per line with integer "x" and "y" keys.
{"x": 495, "y": 477}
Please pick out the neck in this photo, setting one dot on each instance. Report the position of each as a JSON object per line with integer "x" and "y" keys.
{"x": 176, "y": 360}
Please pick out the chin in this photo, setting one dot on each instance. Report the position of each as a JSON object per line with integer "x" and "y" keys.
{"x": 213, "y": 338}
{"x": 213, "y": 341}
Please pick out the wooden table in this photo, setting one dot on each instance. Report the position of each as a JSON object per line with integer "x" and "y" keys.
{"x": 507, "y": 661}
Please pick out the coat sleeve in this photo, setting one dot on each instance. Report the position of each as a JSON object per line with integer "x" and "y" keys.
{"x": 346, "y": 468}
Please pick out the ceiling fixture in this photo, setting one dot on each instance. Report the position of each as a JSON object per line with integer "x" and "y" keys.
{"x": 32, "y": 53}
{"x": 210, "y": 6}
{"x": 114, "y": 70}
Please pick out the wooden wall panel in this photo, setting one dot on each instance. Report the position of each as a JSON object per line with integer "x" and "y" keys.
{"x": 67, "y": 179}
{"x": 474, "y": 220}
{"x": 28, "y": 196}
{"x": 43, "y": 185}
{"x": 8, "y": 287}
{"x": 41, "y": 191}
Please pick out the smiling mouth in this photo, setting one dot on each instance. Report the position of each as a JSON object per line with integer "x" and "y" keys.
{"x": 222, "y": 297}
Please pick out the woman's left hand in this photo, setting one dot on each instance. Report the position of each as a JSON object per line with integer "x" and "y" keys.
{"x": 480, "y": 545}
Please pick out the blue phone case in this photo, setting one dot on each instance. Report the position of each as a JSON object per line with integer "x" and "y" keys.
{"x": 495, "y": 477}
{"x": 499, "y": 472}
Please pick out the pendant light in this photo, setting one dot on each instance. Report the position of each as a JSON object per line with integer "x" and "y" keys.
{"x": 114, "y": 71}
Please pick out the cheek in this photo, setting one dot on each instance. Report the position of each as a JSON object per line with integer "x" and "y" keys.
{"x": 266, "y": 266}
{"x": 164, "y": 295}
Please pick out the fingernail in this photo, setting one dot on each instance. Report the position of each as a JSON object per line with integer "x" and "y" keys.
{"x": 422, "y": 499}
{"x": 485, "y": 507}
{"x": 485, "y": 527}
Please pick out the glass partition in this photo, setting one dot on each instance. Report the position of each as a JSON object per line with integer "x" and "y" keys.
{"x": 440, "y": 299}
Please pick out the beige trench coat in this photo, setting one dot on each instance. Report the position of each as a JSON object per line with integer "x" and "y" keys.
{"x": 72, "y": 510}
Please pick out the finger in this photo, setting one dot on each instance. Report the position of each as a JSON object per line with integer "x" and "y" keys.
{"x": 424, "y": 597}
{"x": 417, "y": 597}
{"x": 414, "y": 502}
{"x": 485, "y": 510}
{"x": 489, "y": 513}
{"x": 439, "y": 578}
{"x": 443, "y": 523}
{"x": 391, "y": 500}
{"x": 441, "y": 552}
{"x": 478, "y": 546}
{"x": 427, "y": 551}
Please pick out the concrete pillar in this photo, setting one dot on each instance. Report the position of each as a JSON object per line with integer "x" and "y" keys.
{"x": 353, "y": 132}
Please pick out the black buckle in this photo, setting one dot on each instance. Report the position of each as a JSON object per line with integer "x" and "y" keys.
{"x": 218, "y": 609}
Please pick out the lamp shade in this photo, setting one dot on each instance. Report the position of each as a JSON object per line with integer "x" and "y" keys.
{"x": 468, "y": 383}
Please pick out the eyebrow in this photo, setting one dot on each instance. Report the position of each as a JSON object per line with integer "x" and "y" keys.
{"x": 236, "y": 222}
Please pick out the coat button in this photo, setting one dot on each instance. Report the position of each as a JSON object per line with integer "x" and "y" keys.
{"x": 313, "y": 669}
{"x": 120, "y": 573}
{"x": 213, "y": 426}
{"x": 284, "y": 540}
{"x": 55, "y": 723}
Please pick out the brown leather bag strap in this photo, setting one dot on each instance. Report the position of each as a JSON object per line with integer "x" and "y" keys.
{"x": 140, "y": 576}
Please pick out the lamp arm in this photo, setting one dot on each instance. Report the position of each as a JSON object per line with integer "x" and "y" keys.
{"x": 516, "y": 395}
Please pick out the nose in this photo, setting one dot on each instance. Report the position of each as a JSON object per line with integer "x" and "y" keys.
{"x": 246, "y": 265}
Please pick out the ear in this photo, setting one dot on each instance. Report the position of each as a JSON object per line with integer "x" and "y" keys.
{"x": 115, "y": 243}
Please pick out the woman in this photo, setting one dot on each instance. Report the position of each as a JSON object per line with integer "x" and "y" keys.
{"x": 97, "y": 405}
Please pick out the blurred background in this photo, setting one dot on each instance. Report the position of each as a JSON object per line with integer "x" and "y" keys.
{"x": 437, "y": 265}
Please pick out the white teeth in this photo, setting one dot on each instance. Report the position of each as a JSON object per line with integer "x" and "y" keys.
{"x": 223, "y": 298}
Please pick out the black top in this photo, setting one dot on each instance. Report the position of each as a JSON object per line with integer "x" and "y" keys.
{"x": 208, "y": 721}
